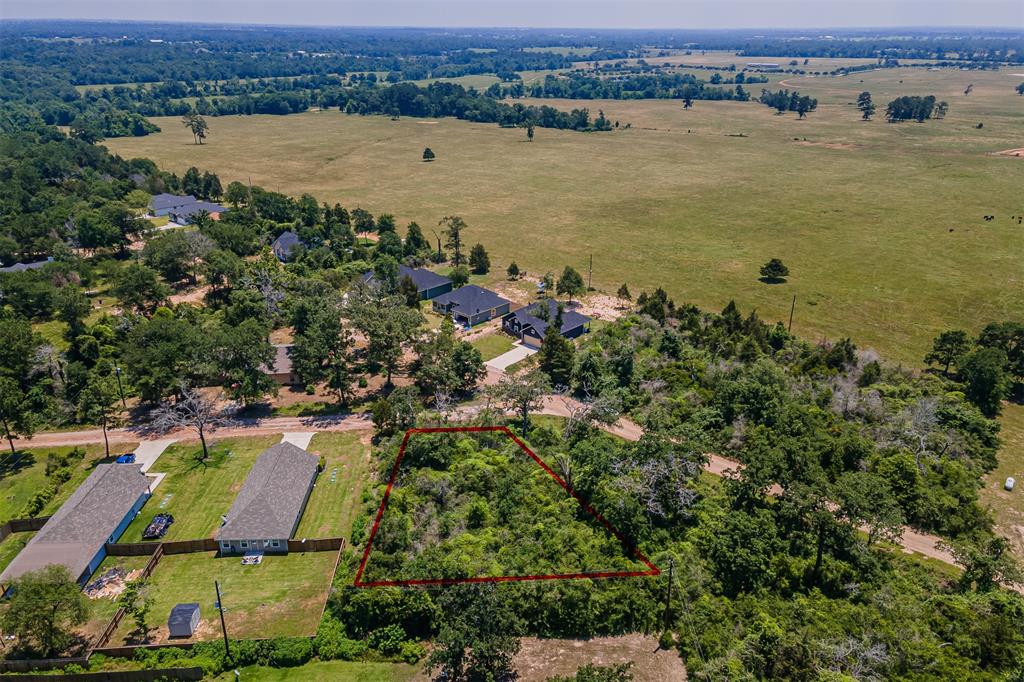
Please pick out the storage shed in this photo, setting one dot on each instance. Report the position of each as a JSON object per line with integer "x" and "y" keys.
{"x": 184, "y": 620}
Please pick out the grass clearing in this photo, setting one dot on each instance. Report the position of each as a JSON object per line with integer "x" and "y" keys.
{"x": 492, "y": 345}
{"x": 1008, "y": 507}
{"x": 880, "y": 224}
{"x": 197, "y": 492}
{"x": 339, "y": 671}
{"x": 11, "y": 545}
{"x": 281, "y": 597}
{"x": 22, "y": 477}
{"x": 333, "y": 505}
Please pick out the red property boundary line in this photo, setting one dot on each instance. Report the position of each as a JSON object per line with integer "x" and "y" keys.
{"x": 652, "y": 570}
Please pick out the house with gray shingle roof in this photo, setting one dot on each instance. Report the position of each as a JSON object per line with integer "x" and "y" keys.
{"x": 95, "y": 514}
{"x": 428, "y": 283}
{"x": 531, "y": 323}
{"x": 267, "y": 510}
{"x": 471, "y": 305}
{"x": 163, "y": 204}
{"x": 285, "y": 243}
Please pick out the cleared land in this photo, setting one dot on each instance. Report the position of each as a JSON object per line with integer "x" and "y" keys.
{"x": 197, "y": 492}
{"x": 881, "y": 225}
{"x": 1008, "y": 507}
{"x": 281, "y": 597}
{"x": 339, "y": 671}
{"x": 334, "y": 502}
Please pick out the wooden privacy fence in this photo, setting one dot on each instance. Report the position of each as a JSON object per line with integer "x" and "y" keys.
{"x": 121, "y": 676}
{"x": 26, "y": 665}
{"x": 147, "y": 548}
{"x": 316, "y": 545}
{"x": 22, "y": 525}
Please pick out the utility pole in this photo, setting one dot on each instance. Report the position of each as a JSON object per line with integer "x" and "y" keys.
{"x": 668, "y": 596}
{"x": 791, "y": 309}
{"x": 223, "y": 626}
{"x": 590, "y": 274}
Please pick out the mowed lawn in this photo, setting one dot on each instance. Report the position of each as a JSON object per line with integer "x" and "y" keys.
{"x": 338, "y": 671}
{"x": 492, "y": 345}
{"x": 22, "y": 475}
{"x": 281, "y": 597}
{"x": 198, "y": 492}
{"x": 880, "y": 224}
{"x": 1008, "y": 507}
{"x": 335, "y": 499}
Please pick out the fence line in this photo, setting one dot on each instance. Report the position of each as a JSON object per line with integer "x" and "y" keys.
{"x": 22, "y": 525}
{"x": 316, "y": 545}
{"x": 121, "y": 676}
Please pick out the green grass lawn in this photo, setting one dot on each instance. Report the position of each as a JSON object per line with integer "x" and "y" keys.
{"x": 197, "y": 492}
{"x": 11, "y": 545}
{"x": 333, "y": 505}
{"x": 21, "y": 477}
{"x": 281, "y": 597}
{"x": 339, "y": 671}
{"x": 880, "y": 224}
{"x": 1008, "y": 507}
{"x": 492, "y": 345}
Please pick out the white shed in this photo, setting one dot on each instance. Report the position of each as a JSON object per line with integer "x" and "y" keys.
{"x": 1010, "y": 482}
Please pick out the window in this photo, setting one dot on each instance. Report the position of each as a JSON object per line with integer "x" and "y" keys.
{"x": 225, "y": 546}
{"x": 244, "y": 544}
{"x": 275, "y": 544}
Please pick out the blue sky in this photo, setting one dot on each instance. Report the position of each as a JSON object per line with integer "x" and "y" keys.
{"x": 553, "y": 13}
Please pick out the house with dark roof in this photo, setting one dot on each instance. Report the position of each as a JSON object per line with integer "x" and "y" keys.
{"x": 267, "y": 510}
{"x": 530, "y": 324}
{"x": 281, "y": 371}
{"x": 284, "y": 245}
{"x": 22, "y": 267}
{"x": 428, "y": 283}
{"x": 186, "y": 213}
{"x": 471, "y": 305}
{"x": 76, "y": 536}
{"x": 162, "y": 204}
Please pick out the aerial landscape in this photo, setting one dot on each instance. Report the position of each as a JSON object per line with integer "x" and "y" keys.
{"x": 445, "y": 341}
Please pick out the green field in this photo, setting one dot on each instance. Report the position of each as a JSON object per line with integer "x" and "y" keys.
{"x": 1008, "y": 507}
{"x": 281, "y": 597}
{"x": 21, "y": 477}
{"x": 881, "y": 225}
{"x": 195, "y": 492}
{"x": 333, "y": 505}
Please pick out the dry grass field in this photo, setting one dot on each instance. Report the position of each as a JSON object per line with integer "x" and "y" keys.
{"x": 881, "y": 225}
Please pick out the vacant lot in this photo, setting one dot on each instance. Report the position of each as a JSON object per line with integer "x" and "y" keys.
{"x": 338, "y": 671}
{"x": 281, "y": 597}
{"x": 335, "y": 499}
{"x": 196, "y": 492}
{"x": 881, "y": 225}
{"x": 1008, "y": 507}
{"x": 24, "y": 474}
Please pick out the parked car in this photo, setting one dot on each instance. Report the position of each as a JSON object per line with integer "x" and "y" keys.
{"x": 126, "y": 459}
{"x": 158, "y": 527}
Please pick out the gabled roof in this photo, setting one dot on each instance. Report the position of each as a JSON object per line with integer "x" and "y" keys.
{"x": 22, "y": 267}
{"x": 163, "y": 201}
{"x": 271, "y": 499}
{"x": 283, "y": 245}
{"x": 84, "y": 523}
{"x": 528, "y": 317}
{"x": 181, "y": 614}
{"x": 282, "y": 360}
{"x": 188, "y": 210}
{"x": 471, "y": 300}
{"x": 423, "y": 279}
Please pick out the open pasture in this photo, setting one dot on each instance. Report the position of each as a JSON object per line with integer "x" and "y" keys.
{"x": 880, "y": 224}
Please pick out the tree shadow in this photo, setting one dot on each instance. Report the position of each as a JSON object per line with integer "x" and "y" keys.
{"x": 772, "y": 280}
{"x": 14, "y": 463}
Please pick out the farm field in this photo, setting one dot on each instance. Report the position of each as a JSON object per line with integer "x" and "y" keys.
{"x": 195, "y": 492}
{"x": 333, "y": 504}
{"x": 21, "y": 478}
{"x": 881, "y": 225}
{"x": 281, "y": 597}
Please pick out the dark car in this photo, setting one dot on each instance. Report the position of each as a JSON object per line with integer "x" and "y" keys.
{"x": 126, "y": 459}
{"x": 157, "y": 528}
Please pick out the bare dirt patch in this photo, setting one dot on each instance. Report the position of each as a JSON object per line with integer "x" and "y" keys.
{"x": 111, "y": 584}
{"x": 539, "y": 659}
{"x": 845, "y": 146}
{"x": 1018, "y": 153}
{"x": 602, "y": 307}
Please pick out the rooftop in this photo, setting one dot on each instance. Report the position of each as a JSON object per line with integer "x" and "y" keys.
{"x": 164, "y": 201}
{"x": 423, "y": 279}
{"x": 471, "y": 299}
{"x": 529, "y": 316}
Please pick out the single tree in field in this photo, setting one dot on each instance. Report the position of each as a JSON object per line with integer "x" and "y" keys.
{"x": 529, "y": 131}
{"x": 570, "y": 283}
{"x": 479, "y": 261}
{"x": 197, "y": 125}
{"x": 987, "y": 383}
{"x": 513, "y": 271}
{"x": 687, "y": 102}
{"x": 522, "y": 394}
{"x": 16, "y": 414}
{"x": 428, "y": 154}
{"x": 940, "y": 109}
{"x": 947, "y": 348}
{"x": 866, "y": 106}
{"x": 192, "y": 410}
{"x": 453, "y": 226}
{"x": 1020, "y": 89}
{"x": 44, "y": 608}
{"x": 97, "y": 403}
{"x": 774, "y": 271}
{"x": 623, "y": 294}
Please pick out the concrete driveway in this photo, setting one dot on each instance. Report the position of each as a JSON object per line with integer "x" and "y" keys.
{"x": 149, "y": 450}
{"x": 503, "y": 361}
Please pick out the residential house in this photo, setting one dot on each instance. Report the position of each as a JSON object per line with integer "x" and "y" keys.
{"x": 428, "y": 283}
{"x": 531, "y": 323}
{"x": 267, "y": 510}
{"x": 471, "y": 305}
{"x": 284, "y": 245}
{"x": 281, "y": 371}
{"x": 22, "y": 267}
{"x": 76, "y": 536}
{"x": 186, "y": 213}
{"x": 162, "y": 204}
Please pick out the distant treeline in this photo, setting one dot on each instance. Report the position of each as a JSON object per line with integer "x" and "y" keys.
{"x": 633, "y": 86}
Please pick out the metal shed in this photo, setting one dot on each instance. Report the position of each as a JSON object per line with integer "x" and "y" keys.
{"x": 184, "y": 620}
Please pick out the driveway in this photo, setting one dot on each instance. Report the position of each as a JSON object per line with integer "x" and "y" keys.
{"x": 149, "y": 450}
{"x": 503, "y": 361}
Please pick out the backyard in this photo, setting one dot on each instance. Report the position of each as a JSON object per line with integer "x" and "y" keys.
{"x": 333, "y": 504}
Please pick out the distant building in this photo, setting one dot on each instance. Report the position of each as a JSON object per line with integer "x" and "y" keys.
{"x": 527, "y": 325}
{"x": 162, "y": 204}
{"x": 281, "y": 371}
{"x": 95, "y": 514}
{"x": 22, "y": 267}
{"x": 186, "y": 213}
{"x": 267, "y": 510}
{"x": 471, "y": 305}
{"x": 764, "y": 66}
{"x": 284, "y": 245}
{"x": 429, "y": 284}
